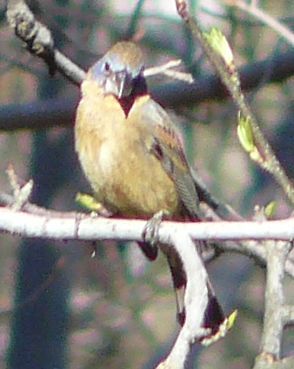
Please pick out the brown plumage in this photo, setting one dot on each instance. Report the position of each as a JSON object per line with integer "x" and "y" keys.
{"x": 132, "y": 156}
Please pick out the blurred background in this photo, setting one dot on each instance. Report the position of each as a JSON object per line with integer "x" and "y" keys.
{"x": 60, "y": 308}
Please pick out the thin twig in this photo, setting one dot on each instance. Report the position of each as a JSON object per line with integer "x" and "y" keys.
{"x": 162, "y": 68}
{"x": 21, "y": 194}
{"x": 262, "y": 16}
{"x": 166, "y": 69}
{"x": 227, "y": 75}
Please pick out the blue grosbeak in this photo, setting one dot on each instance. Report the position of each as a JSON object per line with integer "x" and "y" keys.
{"x": 132, "y": 156}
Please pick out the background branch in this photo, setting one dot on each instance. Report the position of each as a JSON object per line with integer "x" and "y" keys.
{"x": 271, "y": 22}
{"x": 229, "y": 76}
{"x": 61, "y": 111}
{"x": 274, "y": 300}
{"x": 39, "y": 41}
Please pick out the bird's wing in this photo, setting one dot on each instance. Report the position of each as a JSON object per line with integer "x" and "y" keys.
{"x": 167, "y": 147}
{"x": 163, "y": 141}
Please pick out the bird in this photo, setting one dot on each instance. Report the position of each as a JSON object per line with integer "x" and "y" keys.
{"x": 132, "y": 155}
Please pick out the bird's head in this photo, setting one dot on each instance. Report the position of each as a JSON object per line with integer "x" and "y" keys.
{"x": 120, "y": 71}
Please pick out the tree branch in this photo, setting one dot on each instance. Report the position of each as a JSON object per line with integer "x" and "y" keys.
{"x": 262, "y": 16}
{"x": 196, "y": 299}
{"x": 274, "y": 300}
{"x": 276, "y": 314}
{"x": 80, "y": 226}
{"x": 53, "y": 112}
{"x": 209, "y": 87}
{"x": 39, "y": 41}
{"x": 288, "y": 314}
{"x": 287, "y": 363}
{"x": 223, "y": 62}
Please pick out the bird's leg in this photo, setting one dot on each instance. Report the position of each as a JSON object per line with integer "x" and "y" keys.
{"x": 150, "y": 235}
{"x": 150, "y": 232}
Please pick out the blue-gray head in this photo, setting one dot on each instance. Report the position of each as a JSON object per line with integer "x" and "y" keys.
{"x": 119, "y": 69}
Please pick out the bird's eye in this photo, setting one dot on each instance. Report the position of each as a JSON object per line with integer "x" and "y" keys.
{"x": 106, "y": 67}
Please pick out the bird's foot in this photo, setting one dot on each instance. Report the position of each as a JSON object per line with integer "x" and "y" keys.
{"x": 90, "y": 203}
{"x": 150, "y": 233}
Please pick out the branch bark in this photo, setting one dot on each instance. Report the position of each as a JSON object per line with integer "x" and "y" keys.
{"x": 39, "y": 41}
{"x": 274, "y": 300}
{"x": 196, "y": 299}
{"x": 84, "y": 227}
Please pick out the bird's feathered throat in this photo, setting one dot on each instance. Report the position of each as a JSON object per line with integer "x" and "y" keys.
{"x": 139, "y": 89}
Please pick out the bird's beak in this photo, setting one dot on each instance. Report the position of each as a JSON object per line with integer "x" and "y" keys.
{"x": 124, "y": 83}
{"x": 119, "y": 84}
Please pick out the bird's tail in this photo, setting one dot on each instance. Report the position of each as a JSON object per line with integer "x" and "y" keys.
{"x": 213, "y": 316}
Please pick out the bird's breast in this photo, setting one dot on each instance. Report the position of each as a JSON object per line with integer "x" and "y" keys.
{"x": 125, "y": 176}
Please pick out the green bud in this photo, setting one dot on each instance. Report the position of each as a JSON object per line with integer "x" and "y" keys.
{"x": 245, "y": 134}
{"x": 270, "y": 209}
{"x": 88, "y": 202}
{"x": 220, "y": 45}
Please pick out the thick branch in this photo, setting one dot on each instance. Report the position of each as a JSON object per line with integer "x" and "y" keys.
{"x": 38, "y": 115}
{"x": 39, "y": 41}
{"x": 274, "y": 298}
{"x": 196, "y": 299}
{"x": 85, "y": 227}
{"x": 287, "y": 363}
{"x": 274, "y": 317}
{"x": 288, "y": 314}
{"x": 42, "y": 223}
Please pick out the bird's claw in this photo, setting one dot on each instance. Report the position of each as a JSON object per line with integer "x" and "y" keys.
{"x": 150, "y": 235}
{"x": 151, "y": 229}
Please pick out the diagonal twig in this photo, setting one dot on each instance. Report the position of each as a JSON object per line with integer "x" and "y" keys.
{"x": 262, "y": 16}
{"x": 230, "y": 78}
{"x": 39, "y": 41}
